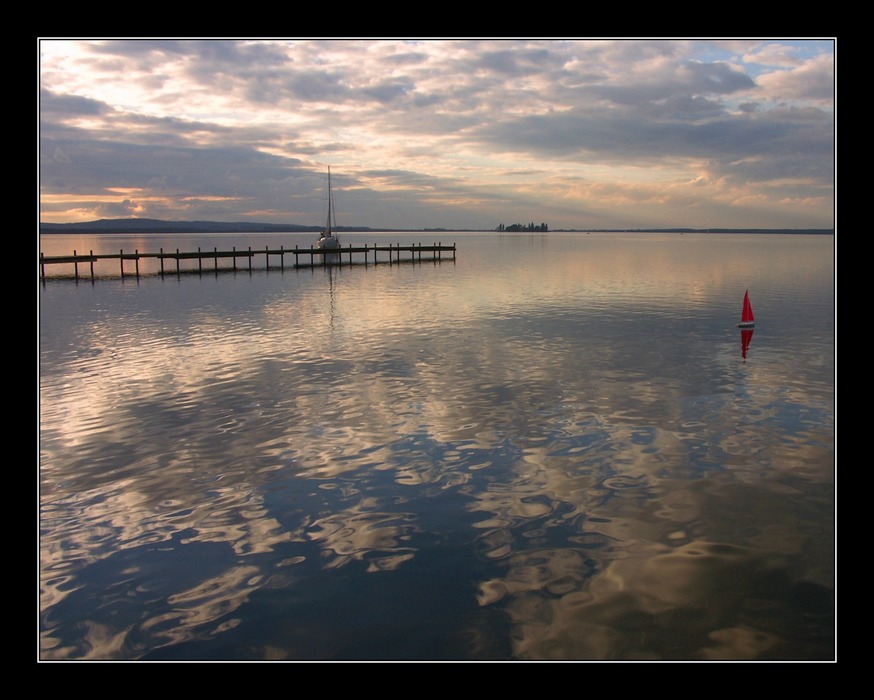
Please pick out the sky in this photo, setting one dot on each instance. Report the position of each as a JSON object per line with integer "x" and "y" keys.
{"x": 461, "y": 133}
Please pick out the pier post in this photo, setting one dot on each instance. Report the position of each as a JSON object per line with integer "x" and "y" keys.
{"x": 177, "y": 262}
{"x": 42, "y": 266}
{"x": 120, "y": 260}
{"x": 92, "y": 264}
{"x": 161, "y": 257}
{"x": 199, "y": 261}
{"x": 215, "y": 261}
{"x": 234, "y": 251}
{"x": 282, "y": 258}
{"x": 136, "y": 261}
{"x": 75, "y": 266}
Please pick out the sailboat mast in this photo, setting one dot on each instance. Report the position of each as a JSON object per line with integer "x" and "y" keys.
{"x": 330, "y": 204}
{"x": 333, "y": 208}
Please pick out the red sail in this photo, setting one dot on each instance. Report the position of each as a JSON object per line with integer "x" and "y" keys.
{"x": 747, "y": 313}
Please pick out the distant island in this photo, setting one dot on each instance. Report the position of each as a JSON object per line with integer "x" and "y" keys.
{"x": 129, "y": 226}
{"x": 543, "y": 228}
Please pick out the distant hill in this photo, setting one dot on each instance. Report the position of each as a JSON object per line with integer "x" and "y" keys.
{"x": 161, "y": 226}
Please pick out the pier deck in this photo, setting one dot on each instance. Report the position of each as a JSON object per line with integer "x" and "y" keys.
{"x": 312, "y": 257}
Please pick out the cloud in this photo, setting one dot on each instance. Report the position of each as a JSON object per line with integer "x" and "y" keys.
{"x": 253, "y": 124}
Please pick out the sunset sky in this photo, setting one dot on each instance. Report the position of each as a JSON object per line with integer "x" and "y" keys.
{"x": 441, "y": 133}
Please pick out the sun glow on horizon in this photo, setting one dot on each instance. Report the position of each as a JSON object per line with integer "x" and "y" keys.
{"x": 574, "y": 133}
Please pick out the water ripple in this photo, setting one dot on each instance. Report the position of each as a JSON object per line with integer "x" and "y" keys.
{"x": 551, "y": 448}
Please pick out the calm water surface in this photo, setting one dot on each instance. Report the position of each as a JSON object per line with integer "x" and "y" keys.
{"x": 551, "y": 448}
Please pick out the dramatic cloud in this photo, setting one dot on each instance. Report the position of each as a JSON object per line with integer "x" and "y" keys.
{"x": 441, "y": 133}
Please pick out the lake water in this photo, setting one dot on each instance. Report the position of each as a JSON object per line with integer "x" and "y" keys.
{"x": 551, "y": 448}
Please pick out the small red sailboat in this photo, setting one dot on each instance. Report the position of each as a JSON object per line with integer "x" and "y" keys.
{"x": 747, "y": 320}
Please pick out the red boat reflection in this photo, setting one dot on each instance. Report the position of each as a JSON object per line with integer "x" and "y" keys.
{"x": 746, "y": 335}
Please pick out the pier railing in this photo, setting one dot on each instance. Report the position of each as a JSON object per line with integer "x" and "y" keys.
{"x": 312, "y": 257}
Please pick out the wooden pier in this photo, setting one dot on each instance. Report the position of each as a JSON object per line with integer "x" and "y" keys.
{"x": 312, "y": 257}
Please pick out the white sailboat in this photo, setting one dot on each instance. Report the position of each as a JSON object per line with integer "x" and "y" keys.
{"x": 328, "y": 239}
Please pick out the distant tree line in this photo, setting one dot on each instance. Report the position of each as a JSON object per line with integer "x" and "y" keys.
{"x": 523, "y": 227}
